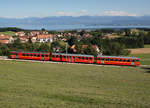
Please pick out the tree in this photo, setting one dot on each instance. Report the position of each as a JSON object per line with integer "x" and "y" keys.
{"x": 72, "y": 41}
{"x": 115, "y": 49}
{"x": 82, "y": 32}
{"x": 59, "y": 46}
{"x": 43, "y": 29}
{"x": 78, "y": 48}
{"x": 44, "y": 47}
{"x": 90, "y": 51}
{"x": 17, "y": 44}
{"x": 140, "y": 41}
{"x": 4, "y": 50}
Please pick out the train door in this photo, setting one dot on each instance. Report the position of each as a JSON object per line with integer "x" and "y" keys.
{"x": 70, "y": 59}
{"x": 42, "y": 57}
{"x": 103, "y": 60}
{"x": 133, "y": 62}
{"x": 73, "y": 59}
{"x": 16, "y": 55}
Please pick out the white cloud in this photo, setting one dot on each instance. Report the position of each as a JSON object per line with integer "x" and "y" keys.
{"x": 80, "y": 13}
{"x": 65, "y": 13}
{"x": 118, "y": 13}
{"x": 85, "y": 12}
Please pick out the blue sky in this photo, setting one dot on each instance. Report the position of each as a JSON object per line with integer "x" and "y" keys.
{"x": 43, "y": 8}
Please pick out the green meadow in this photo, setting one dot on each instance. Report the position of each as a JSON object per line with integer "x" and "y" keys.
{"x": 47, "y": 85}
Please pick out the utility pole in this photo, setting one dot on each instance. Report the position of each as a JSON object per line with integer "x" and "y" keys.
{"x": 66, "y": 47}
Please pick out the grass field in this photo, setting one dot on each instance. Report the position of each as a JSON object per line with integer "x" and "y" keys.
{"x": 42, "y": 85}
{"x": 8, "y": 33}
{"x": 145, "y": 58}
{"x": 146, "y": 46}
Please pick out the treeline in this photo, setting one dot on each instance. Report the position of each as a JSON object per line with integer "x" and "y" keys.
{"x": 14, "y": 29}
{"x": 131, "y": 42}
{"x": 106, "y": 46}
{"x": 147, "y": 38}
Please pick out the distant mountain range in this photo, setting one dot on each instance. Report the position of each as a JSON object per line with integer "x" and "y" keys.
{"x": 47, "y": 22}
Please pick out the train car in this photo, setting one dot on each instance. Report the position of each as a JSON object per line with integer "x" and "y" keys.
{"x": 116, "y": 60}
{"x": 72, "y": 58}
{"x": 30, "y": 55}
{"x": 76, "y": 58}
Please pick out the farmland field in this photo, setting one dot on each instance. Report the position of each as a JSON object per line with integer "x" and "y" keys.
{"x": 45, "y": 85}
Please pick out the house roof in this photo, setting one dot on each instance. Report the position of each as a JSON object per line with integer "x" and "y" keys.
{"x": 44, "y": 36}
{"x": 4, "y": 37}
{"x": 4, "y": 41}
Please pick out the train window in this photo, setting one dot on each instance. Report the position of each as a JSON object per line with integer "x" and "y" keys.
{"x": 133, "y": 60}
{"x": 124, "y": 60}
{"x": 42, "y": 55}
{"x": 27, "y": 54}
{"x": 111, "y": 59}
{"x": 46, "y": 55}
{"x": 38, "y": 55}
{"x": 128, "y": 60}
{"x": 31, "y": 55}
{"x": 16, "y": 53}
{"x": 137, "y": 60}
{"x": 64, "y": 56}
{"x": 120, "y": 60}
{"x": 53, "y": 55}
{"x": 24, "y": 55}
{"x": 83, "y": 58}
{"x": 107, "y": 59}
{"x": 103, "y": 58}
{"x": 98, "y": 58}
{"x": 34, "y": 54}
{"x": 116, "y": 60}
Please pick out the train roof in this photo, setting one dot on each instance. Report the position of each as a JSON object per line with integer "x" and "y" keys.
{"x": 29, "y": 52}
{"x": 119, "y": 57}
{"x": 72, "y": 54}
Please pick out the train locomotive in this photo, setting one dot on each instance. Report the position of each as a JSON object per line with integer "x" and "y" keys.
{"x": 75, "y": 58}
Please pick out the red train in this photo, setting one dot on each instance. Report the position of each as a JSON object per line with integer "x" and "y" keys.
{"x": 76, "y": 58}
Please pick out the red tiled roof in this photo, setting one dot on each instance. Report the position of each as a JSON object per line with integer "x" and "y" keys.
{"x": 4, "y": 41}
{"x": 4, "y": 37}
{"x": 44, "y": 36}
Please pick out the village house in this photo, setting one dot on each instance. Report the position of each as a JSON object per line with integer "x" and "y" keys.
{"x": 23, "y": 39}
{"x": 20, "y": 34}
{"x": 45, "y": 38}
{"x": 33, "y": 39}
{"x": 34, "y": 33}
{"x": 6, "y": 39}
